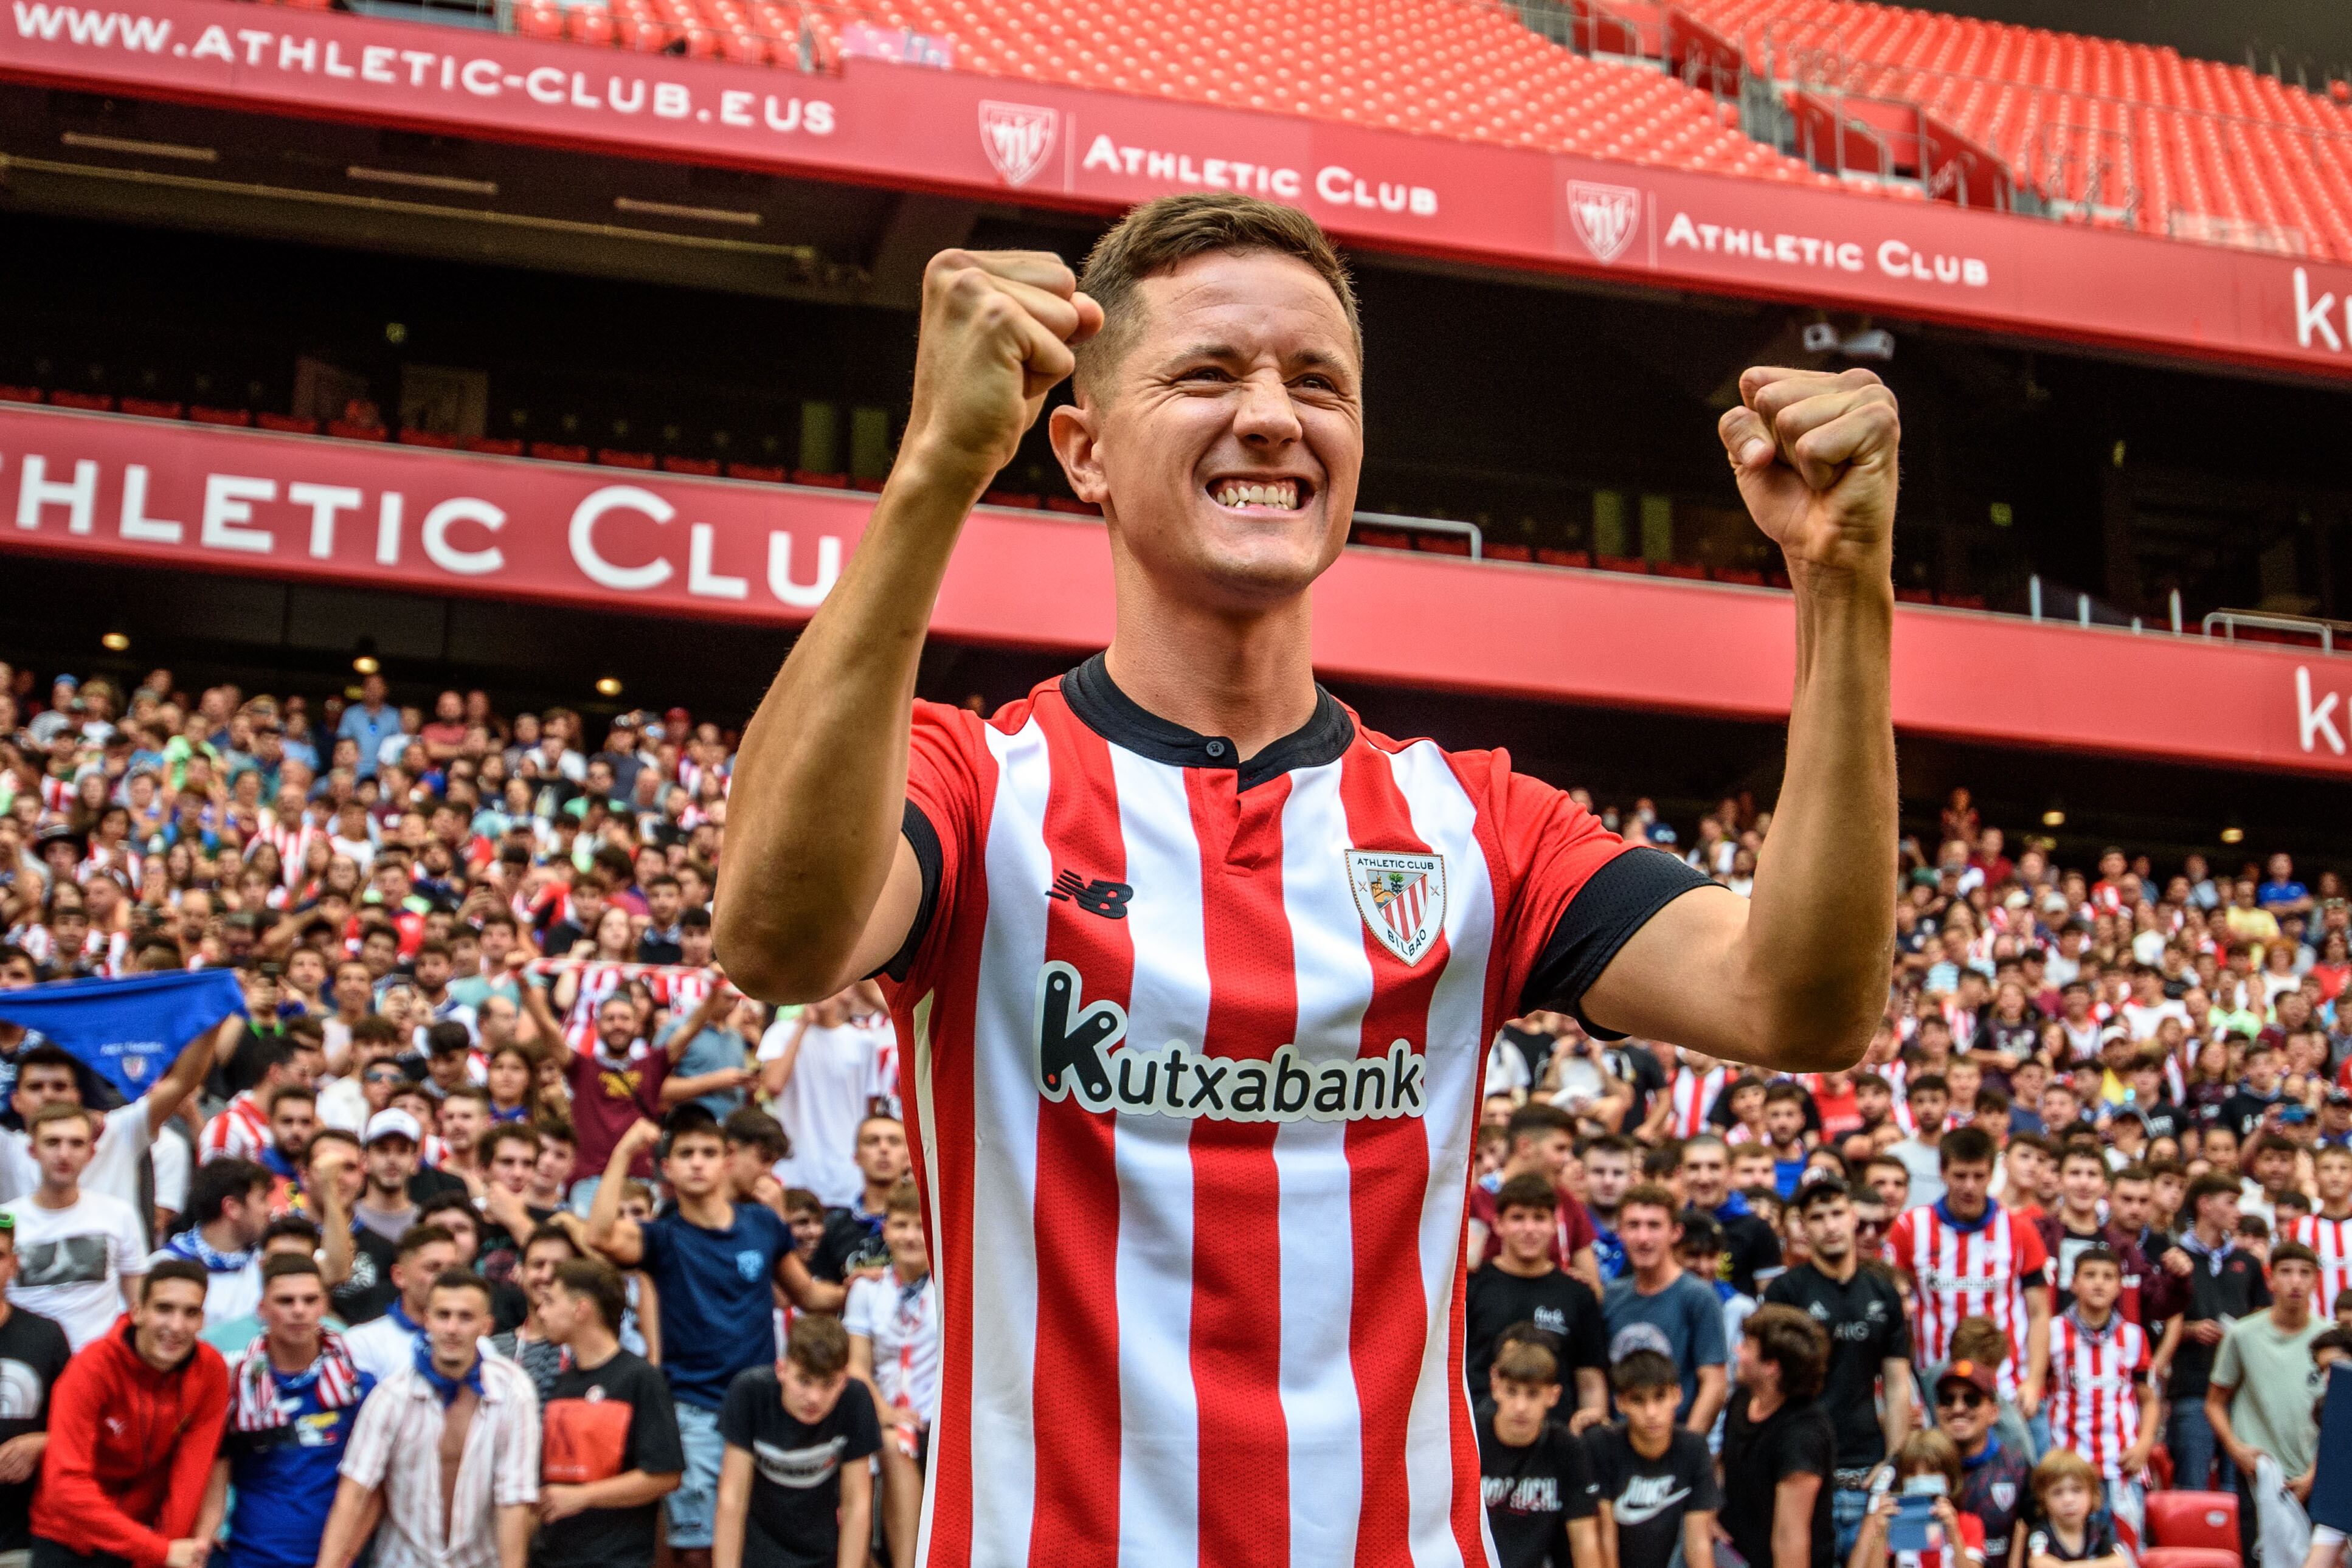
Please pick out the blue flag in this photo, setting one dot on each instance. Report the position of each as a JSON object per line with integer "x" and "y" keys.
{"x": 129, "y": 1030}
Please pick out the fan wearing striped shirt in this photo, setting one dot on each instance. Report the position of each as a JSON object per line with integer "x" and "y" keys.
{"x": 1195, "y": 971}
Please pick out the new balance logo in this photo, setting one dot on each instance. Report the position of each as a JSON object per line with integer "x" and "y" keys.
{"x": 1097, "y": 896}
{"x": 1079, "y": 1058}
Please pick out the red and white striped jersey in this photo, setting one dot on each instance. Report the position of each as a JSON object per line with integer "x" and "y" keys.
{"x": 1981, "y": 1270}
{"x": 2094, "y": 1382}
{"x": 1694, "y": 1097}
{"x": 241, "y": 1131}
{"x": 1194, "y": 1088}
{"x": 2331, "y": 1240}
{"x": 598, "y": 980}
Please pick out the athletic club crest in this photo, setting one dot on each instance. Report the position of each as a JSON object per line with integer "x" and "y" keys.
{"x": 1605, "y": 217}
{"x": 1016, "y": 136}
{"x": 1402, "y": 897}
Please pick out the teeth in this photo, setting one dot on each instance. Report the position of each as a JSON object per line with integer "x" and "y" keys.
{"x": 1282, "y": 493}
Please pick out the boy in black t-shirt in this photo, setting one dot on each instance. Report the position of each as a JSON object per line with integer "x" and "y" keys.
{"x": 1523, "y": 1285}
{"x": 612, "y": 1450}
{"x": 1656, "y": 1480}
{"x": 794, "y": 1484}
{"x": 1535, "y": 1476}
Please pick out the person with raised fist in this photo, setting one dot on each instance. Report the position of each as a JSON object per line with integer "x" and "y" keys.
{"x": 1196, "y": 972}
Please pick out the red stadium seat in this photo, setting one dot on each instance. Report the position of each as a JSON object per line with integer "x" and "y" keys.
{"x": 493, "y": 446}
{"x": 234, "y": 416}
{"x": 287, "y": 424}
{"x": 2189, "y": 1557}
{"x": 756, "y": 472}
{"x": 21, "y": 394}
{"x": 151, "y": 408}
{"x": 613, "y": 458}
{"x": 92, "y": 402}
{"x": 557, "y": 452}
{"x": 2193, "y": 1519}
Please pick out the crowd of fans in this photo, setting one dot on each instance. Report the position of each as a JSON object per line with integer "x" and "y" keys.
{"x": 503, "y": 1231}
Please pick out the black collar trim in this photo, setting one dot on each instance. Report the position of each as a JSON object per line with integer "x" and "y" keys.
{"x": 1118, "y": 718}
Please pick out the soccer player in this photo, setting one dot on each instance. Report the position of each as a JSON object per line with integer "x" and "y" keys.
{"x": 1199, "y": 973}
{"x": 1964, "y": 1255}
{"x": 2102, "y": 1405}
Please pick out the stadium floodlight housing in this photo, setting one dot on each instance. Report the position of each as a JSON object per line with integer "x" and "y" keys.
{"x": 116, "y": 642}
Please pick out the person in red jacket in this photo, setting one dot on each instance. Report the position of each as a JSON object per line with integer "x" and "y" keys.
{"x": 133, "y": 1422}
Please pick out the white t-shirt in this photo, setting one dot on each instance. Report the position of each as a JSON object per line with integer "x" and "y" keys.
{"x": 904, "y": 1327}
{"x": 833, "y": 1079}
{"x": 71, "y": 1262}
{"x": 380, "y": 1345}
{"x": 113, "y": 1168}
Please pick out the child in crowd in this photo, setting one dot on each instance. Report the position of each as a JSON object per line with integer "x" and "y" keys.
{"x": 1535, "y": 1478}
{"x": 2073, "y": 1529}
{"x": 1654, "y": 1479}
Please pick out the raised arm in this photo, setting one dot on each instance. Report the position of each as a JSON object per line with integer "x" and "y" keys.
{"x": 1794, "y": 976}
{"x": 609, "y": 1231}
{"x": 817, "y": 886}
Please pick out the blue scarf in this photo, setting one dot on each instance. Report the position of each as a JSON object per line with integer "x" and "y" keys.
{"x": 191, "y": 1245}
{"x": 1967, "y": 1226}
{"x": 446, "y": 1387}
{"x": 400, "y": 1315}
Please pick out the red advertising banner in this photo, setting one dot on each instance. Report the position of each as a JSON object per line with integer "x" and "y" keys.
{"x": 155, "y": 493}
{"x": 958, "y": 131}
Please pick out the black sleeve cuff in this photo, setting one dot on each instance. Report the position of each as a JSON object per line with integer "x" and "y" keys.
{"x": 924, "y": 839}
{"x": 1613, "y": 903}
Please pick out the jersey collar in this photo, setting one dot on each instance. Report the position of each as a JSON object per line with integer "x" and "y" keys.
{"x": 1118, "y": 718}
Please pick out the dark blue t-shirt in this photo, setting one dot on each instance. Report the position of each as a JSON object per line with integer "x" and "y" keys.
{"x": 717, "y": 1312}
{"x": 286, "y": 1477}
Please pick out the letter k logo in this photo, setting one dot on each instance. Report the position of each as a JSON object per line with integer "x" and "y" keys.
{"x": 2315, "y": 723}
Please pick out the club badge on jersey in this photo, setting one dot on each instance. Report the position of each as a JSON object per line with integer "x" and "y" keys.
{"x": 1402, "y": 897}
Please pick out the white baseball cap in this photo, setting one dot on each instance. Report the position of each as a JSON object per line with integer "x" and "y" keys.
{"x": 394, "y": 1124}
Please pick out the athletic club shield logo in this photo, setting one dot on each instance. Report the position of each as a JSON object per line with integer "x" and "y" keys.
{"x": 1605, "y": 217}
{"x": 1402, "y": 897}
{"x": 1016, "y": 136}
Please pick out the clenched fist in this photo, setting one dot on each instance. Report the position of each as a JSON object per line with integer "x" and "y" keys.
{"x": 1814, "y": 454}
{"x": 997, "y": 332}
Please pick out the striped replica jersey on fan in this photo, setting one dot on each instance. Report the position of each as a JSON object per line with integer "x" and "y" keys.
{"x": 2094, "y": 1383}
{"x": 1694, "y": 1097}
{"x": 1193, "y": 1052}
{"x": 1960, "y": 1270}
{"x": 2331, "y": 1241}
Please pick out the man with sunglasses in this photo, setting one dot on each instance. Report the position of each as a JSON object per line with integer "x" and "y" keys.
{"x": 1994, "y": 1475}
{"x": 1862, "y": 1312}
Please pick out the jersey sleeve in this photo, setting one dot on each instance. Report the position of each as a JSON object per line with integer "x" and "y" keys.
{"x": 2032, "y": 1258}
{"x": 1578, "y": 893}
{"x": 946, "y": 752}
{"x": 858, "y": 1313}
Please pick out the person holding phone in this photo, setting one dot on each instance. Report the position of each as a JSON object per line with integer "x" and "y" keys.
{"x": 1913, "y": 1520}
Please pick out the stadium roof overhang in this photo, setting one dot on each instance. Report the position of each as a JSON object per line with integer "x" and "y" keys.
{"x": 184, "y": 496}
{"x": 992, "y": 138}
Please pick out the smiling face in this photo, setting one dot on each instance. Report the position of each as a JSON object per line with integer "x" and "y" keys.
{"x": 1225, "y": 440}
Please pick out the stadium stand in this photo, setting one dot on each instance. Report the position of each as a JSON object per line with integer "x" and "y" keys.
{"x": 2092, "y": 128}
{"x": 1889, "y": 100}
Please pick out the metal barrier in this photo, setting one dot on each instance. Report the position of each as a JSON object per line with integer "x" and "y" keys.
{"x": 2228, "y": 621}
